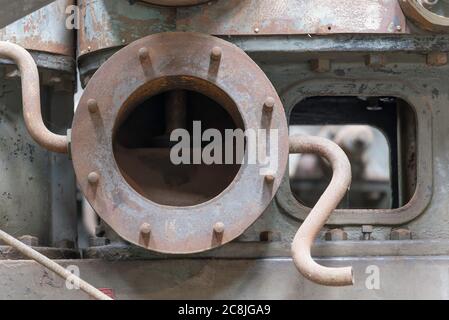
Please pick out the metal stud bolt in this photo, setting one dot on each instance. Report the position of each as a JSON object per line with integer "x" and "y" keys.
{"x": 30, "y": 240}
{"x": 144, "y": 54}
{"x": 375, "y": 61}
{"x": 92, "y": 105}
{"x": 336, "y": 235}
{"x": 269, "y": 104}
{"x": 93, "y": 178}
{"x": 145, "y": 229}
{"x": 320, "y": 65}
{"x": 437, "y": 58}
{"x": 367, "y": 230}
{"x": 401, "y": 234}
{"x": 219, "y": 228}
{"x": 269, "y": 178}
{"x": 216, "y": 54}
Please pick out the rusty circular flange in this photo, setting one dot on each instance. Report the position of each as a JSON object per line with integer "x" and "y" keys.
{"x": 145, "y": 68}
{"x": 423, "y": 17}
{"x": 175, "y": 3}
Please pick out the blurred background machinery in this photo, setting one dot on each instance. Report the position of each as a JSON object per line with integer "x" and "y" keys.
{"x": 370, "y": 76}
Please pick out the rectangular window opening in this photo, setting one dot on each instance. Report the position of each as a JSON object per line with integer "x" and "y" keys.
{"x": 379, "y": 136}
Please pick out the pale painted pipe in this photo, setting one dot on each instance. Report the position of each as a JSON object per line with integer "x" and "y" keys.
{"x": 32, "y": 98}
{"x": 309, "y": 230}
{"x": 53, "y": 266}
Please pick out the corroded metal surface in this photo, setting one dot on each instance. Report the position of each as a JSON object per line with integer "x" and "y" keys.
{"x": 9, "y": 253}
{"x": 406, "y": 277}
{"x": 43, "y": 30}
{"x": 124, "y": 81}
{"x": 251, "y": 17}
{"x": 106, "y": 24}
{"x": 254, "y": 250}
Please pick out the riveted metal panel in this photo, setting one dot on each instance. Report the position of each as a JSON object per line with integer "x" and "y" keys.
{"x": 106, "y": 24}
{"x": 250, "y": 17}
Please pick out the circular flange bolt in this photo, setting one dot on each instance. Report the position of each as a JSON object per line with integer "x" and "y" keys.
{"x": 145, "y": 229}
{"x": 144, "y": 54}
{"x": 219, "y": 228}
{"x": 93, "y": 178}
{"x": 241, "y": 88}
{"x": 92, "y": 106}
{"x": 216, "y": 53}
{"x": 269, "y": 104}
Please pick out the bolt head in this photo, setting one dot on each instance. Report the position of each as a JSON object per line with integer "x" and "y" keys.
{"x": 375, "y": 60}
{"x": 270, "y": 236}
{"x": 145, "y": 228}
{"x": 98, "y": 241}
{"x": 66, "y": 244}
{"x": 30, "y": 240}
{"x": 401, "y": 234}
{"x": 269, "y": 104}
{"x": 437, "y": 58}
{"x": 336, "y": 235}
{"x": 144, "y": 54}
{"x": 270, "y": 178}
{"x": 92, "y": 105}
{"x": 93, "y": 178}
{"x": 320, "y": 65}
{"x": 219, "y": 227}
{"x": 216, "y": 53}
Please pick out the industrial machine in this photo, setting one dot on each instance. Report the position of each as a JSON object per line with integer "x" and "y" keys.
{"x": 225, "y": 149}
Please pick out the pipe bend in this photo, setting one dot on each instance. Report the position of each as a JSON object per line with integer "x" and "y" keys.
{"x": 304, "y": 239}
{"x": 32, "y": 100}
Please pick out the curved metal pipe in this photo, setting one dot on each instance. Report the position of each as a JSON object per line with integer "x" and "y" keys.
{"x": 32, "y": 99}
{"x": 303, "y": 241}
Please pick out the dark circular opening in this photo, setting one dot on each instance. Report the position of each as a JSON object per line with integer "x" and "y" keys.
{"x": 142, "y": 142}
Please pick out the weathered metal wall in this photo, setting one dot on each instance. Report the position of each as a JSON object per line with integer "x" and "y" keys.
{"x": 406, "y": 275}
{"x": 106, "y": 23}
{"x": 286, "y": 60}
{"x": 37, "y": 188}
{"x": 414, "y": 68}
